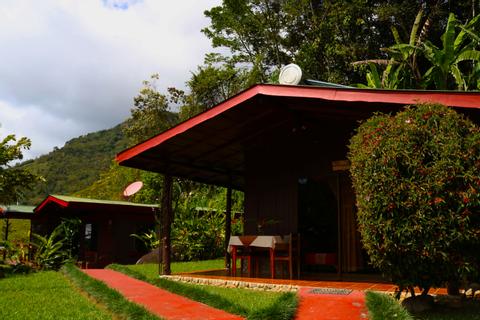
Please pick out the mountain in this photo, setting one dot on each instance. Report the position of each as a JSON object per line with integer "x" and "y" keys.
{"x": 76, "y": 165}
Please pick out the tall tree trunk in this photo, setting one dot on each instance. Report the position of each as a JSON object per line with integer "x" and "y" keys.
{"x": 166, "y": 223}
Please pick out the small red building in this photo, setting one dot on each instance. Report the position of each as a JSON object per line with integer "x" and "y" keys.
{"x": 285, "y": 147}
{"x": 105, "y": 229}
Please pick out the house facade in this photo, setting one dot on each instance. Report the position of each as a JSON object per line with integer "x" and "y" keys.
{"x": 105, "y": 229}
{"x": 285, "y": 147}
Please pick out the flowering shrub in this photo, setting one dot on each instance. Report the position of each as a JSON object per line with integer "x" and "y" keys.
{"x": 416, "y": 177}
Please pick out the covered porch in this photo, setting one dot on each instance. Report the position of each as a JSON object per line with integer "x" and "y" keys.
{"x": 328, "y": 283}
{"x": 285, "y": 147}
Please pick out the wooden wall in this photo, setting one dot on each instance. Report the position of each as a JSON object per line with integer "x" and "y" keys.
{"x": 274, "y": 167}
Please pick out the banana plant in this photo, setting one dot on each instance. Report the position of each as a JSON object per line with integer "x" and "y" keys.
{"x": 446, "y": 61}
{"x": 149, "y": 239}
{"x": 401, "y": 70}
{"x": 50, "y": 253}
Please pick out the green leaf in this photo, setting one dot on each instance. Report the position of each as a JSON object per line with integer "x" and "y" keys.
{"x": 416, "y": 25}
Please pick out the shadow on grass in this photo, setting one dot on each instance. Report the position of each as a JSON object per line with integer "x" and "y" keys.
{"x": 381, "y": 306}
{"x": 283, "y": 308}
{"x": 110, "y": 298}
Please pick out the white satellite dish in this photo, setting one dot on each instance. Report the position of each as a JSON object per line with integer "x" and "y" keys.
{"x": 290, "y": 74}
{"x": 132, "y": 188}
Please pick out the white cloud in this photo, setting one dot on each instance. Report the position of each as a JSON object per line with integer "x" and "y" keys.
{"x": 76, "y": 65}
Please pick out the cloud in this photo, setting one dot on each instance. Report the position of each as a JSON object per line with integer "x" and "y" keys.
{"x": 76, "y": 65}
{"x": 119, "y": 4}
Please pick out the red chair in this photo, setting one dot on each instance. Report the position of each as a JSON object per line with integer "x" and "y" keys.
{"x": 243, "y": 254}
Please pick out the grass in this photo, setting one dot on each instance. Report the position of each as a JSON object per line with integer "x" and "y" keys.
{"x": 247, "y": 303}
{"x": 19, "y": 230}
{"x": 150, "y": 270}
{"x": 108, "y": 297}
{"x": 44, "y": 295}
{"x": 381, "y": 306}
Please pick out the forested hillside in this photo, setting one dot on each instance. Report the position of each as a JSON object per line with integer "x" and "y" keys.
{"x": 76, "y": 165}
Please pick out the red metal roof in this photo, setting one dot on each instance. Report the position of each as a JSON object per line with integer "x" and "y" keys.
{"x": 212, "y": 129}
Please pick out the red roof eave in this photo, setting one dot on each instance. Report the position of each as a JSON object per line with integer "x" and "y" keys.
{"x": 403, "y": 97}
{"x": 48, "y": 200}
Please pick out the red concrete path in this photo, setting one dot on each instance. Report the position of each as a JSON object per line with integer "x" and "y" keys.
{"x": 331, "y": 306}
{"x": 159, "y": 302}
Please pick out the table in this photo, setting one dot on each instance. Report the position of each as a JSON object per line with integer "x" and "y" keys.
{"x": 258, "y": 241}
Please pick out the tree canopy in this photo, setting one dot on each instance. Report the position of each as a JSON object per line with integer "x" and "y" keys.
{"x": 322, "y": 37}
{"x": 14, "y": 181}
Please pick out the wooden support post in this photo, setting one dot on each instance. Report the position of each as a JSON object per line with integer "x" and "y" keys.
{"x": 166, "y": 223}
{"x": 228, "y": 226}
{"x": 339, "y": 229}
{"x": 7, "y": 229}
{"x": 159, "y": 232}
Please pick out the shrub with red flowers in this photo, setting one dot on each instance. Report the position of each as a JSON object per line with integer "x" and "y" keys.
{"x": 416, "y": 176}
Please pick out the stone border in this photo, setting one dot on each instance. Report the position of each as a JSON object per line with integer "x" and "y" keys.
{"x": 233, "y": 283}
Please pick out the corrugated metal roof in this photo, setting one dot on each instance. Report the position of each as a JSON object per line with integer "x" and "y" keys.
{"x": 87, "y": 200}
{"x": 210, "y": 147}
{"x": 68, "y": 201}
{"x": 16, "y": 209}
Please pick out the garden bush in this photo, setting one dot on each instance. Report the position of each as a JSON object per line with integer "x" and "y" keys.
{"x": 416, "y": 177}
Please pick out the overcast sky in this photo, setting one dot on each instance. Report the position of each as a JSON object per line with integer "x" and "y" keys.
{"x": 72, "y": 67}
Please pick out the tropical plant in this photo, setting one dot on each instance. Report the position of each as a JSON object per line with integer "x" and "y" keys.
{"x": 17, "y": 251}
{"x": 198, "y": 235}
{"x": 50, "y": 253}
{"x": 422, "y": 64}
{"x": 456, "y": 48}
{"x": 416, "y": 180}
{"x": 70, "y": 231}
{"x": 401, "y": 70}
{"x": 149, "y": 239}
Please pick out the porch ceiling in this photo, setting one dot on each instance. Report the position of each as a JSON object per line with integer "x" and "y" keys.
{"x": 210, "y": 147}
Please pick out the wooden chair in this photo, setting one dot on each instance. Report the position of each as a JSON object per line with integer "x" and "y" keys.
{"x": 244, "y": 254}
{"x": 289, "y": 253}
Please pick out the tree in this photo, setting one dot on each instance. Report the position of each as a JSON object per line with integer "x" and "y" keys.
{"x": 216, "y": 80}
{"x": 150, "y": 114}
{"x": 416, "y": 180}
{"x": 322, "y": 37}
{"x": 13, "y": 180}
{"x": 419, "y": 63}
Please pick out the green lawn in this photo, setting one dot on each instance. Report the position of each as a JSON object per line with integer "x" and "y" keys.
{"x": 117, "y": 304}
{"x": 150, "y": 270}
{"x": 248, "y": 303}
{"x": 19, "y": 230}
{"x": 44, "y": 295}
